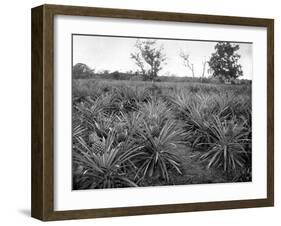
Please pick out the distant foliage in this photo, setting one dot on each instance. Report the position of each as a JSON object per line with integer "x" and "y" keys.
{"x": 224, "y": 62}
{"x": 149, "y": 58}
{"x": 81, "y": 70}
{"x": 116, "y": 75}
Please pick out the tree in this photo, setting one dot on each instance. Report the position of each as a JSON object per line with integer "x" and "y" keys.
{"x": 149, "y": 57}
{"x": 224, "y": 62}
{"x": 81, "y": 70}
{"x": 187, "y": 63}
{"x": 204, "y": 63}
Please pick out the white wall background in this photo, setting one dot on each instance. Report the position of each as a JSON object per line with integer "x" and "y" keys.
{"x": 15, "y": 112}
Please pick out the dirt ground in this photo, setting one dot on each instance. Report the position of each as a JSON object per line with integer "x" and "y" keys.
{"x": 194, "y": 171}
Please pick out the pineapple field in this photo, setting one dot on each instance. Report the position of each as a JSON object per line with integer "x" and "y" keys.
{"x": 140, "y": 133}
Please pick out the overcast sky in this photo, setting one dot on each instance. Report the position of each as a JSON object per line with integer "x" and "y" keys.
{"x": 113, "y": 53}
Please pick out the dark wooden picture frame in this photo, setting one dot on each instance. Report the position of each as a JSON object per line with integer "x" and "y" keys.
{"x": 42, "y": 203}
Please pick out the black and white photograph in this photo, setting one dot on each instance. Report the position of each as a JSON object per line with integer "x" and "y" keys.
{"x": 152, "y": 111}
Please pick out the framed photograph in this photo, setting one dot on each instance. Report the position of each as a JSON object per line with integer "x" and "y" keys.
{"x": 141, "y": 112}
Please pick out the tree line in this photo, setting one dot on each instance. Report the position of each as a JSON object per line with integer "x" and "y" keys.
{"x": 149, "y": 57}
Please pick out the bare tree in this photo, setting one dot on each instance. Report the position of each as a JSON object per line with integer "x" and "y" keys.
{"x": 149, "y": 58}
{"x": 187, "y": 63}
{"x": 204, "y": 63}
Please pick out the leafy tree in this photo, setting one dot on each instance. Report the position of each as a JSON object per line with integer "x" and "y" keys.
{"x": 149, "y": 58}
{"x": 224, "y": 62}
{"x": 81, "y": 70}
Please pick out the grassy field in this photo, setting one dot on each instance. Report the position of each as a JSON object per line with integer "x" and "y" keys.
{"x": 137, "y": 133}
